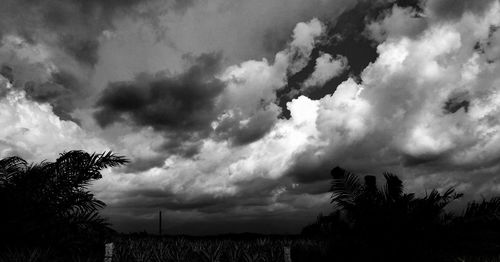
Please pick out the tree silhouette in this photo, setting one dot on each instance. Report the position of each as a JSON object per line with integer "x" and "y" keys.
{"x": 366, "y": 204}
{"x": 383, "y": 221}
{"x": 479, "y": 223}
{"x": 49, "y": 204}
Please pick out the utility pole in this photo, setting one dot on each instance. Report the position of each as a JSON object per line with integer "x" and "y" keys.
{"x": 159, "y": 223}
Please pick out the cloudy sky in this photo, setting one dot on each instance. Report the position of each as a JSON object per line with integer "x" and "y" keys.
{"x": 232, "y": 112}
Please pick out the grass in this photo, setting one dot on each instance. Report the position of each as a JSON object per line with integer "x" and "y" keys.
{"x": 210, "y": 249}
{"x": 205, "y": 249}
{"x": 478, "y": 259}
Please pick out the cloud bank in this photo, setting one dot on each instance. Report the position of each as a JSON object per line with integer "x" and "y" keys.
{"x": 403, "y": 86}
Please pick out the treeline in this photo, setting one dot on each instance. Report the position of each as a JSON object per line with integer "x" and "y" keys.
{"x": 384, "y": 223}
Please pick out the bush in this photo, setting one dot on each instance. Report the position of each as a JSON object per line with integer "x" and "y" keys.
{"x": 48, "y": 205}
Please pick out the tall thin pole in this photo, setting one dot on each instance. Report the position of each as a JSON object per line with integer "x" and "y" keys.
{"x": 159, "y": 223}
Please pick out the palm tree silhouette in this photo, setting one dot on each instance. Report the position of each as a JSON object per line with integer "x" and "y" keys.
{"x": 49, "y": 204}
{"x": 367, "y": 201}
{"x": 384, "y": 223}
{"x": 386, "y": 220}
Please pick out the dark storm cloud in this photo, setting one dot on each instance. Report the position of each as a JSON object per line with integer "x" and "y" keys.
{"x": 454, "y": 104}
{"x": 84, "y": 50}
{"x": 183, "y": 5}
{"x": 304, "y": 172}
{"x": 248, "y": 206}
{"x": 258, "y": 125}
{"x": 142, "y": 164}
{"x": 453, "y": 9}
{"x": 155, "y": 199}
{"x": 76, "y": 24}
{"x": 181, "y": 106}
{"x": 193, "y": 223}
{"x": 71, "y": 30}
{"x": 256, "y": 193}
{"x": 183, "y": 102}
{"x": 61, "y": 91}
{"x": 346, "y": 36}
{"x": 166, "y": 200}
{"x": 7, "y": 72}
{"x": 308, "y": 170}
{"x": 273, "y": 40}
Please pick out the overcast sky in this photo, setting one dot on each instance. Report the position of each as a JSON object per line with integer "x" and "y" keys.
{"x": 232, "y": 112}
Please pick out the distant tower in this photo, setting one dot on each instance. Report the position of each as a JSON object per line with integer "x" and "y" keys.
{"x": 159, "y": 223}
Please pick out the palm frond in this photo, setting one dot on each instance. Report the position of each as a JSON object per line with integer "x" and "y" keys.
{"x": 50, "y": 200}
{"x": 485, "y": 210}
{"x": 393, "y": 187}
{"x": 11, "y": 166}
{"x": 82, "y": 167}
{"x": 345, "y": 186}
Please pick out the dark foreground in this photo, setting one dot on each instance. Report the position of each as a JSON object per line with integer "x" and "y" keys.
{"x": 249, "y": 248}
{"x": 48, "y": 214}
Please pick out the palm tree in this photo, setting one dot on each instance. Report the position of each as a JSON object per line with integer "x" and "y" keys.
{"x": 355, "y": 198}
{"x": 386, "y": 220}
{"x": 361, "y": 200}
{"x": 49, "y": 203}
{"x": 375, "y": 213}
{"x": 372, "y": 223}
{"x": 482, "y": 212}
{"x": 480, "y": 217}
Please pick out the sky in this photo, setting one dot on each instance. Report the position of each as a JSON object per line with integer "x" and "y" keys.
{"x": 233, "y": 112}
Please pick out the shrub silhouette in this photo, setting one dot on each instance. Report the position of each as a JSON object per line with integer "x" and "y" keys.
{"x": 369, "y": 207}
{"x": 387, "y": 223}
{"x": 48, "y": 204}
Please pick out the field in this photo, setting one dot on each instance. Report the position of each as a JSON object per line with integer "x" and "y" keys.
{"x": 261, "y": 249}
{"x": 224, "y": 249}
{"x": 218, "y": 249}
{"x": 190, "y": 249}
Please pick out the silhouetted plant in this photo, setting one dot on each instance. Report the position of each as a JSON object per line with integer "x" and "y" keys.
{"x": 366, "y": 203}
{"x": 49, "y": 204}
{"x": 480, "y": 220}
{"x": 387, "y": 223}
{"x": 381, "y": 220}
{"x": 482, "y": 212}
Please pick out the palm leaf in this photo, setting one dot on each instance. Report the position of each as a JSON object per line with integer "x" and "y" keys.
{"x": 345, "y": 186}
{"x": 393, "y": 189}
{"x": 49, "y": 201}
{"x": 486, "y": 210}
{"x": 10, "y": 167}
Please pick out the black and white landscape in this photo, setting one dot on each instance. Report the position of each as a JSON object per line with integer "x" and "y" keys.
{"x": 247, "y": 119}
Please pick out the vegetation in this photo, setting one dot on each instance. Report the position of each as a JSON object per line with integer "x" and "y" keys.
{"x": 48, "y": 205}
{"x": 48, "y": 214}
{"x": 198, "y": 249}
{"x": 389, "y": 224}
{"x": 205, "y": 249}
